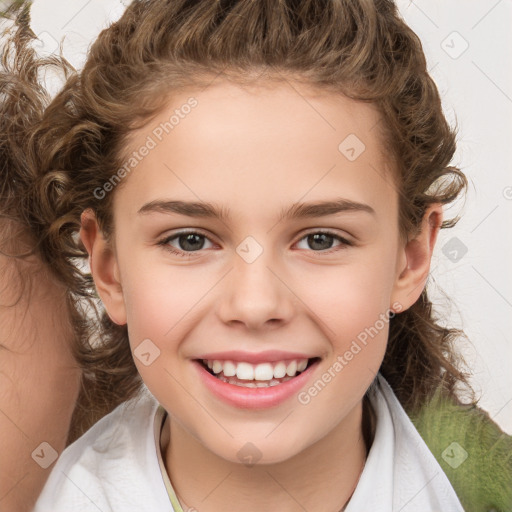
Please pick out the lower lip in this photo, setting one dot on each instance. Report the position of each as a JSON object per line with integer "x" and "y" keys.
{"x": 254, "y": 398}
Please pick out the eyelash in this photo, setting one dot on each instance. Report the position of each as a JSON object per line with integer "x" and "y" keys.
{"x": 188, "y": 254}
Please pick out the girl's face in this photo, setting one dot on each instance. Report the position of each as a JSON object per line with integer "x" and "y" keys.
{"x": 259, "y": 226}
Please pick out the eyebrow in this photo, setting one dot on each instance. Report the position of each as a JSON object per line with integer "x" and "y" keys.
{"x": 295, "y": 211}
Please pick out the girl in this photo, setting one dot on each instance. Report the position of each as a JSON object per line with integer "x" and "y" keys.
{"x": 259, "y": 186}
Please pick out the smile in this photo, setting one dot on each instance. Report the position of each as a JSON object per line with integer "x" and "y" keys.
{"x": 252, "y": 386}
{"x": 241, "y": 373}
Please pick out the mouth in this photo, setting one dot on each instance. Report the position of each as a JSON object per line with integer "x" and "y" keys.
{"x": 262, "y": 375}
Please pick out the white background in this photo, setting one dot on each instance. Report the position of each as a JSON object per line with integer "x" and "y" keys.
{"x": 468, "y": 44}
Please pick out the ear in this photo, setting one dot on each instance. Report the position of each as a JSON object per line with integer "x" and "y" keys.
{"x": 415, "y": 260}
{"x": 104, "y": 267}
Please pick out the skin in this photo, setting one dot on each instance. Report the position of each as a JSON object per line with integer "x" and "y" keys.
{"x": 39, "y": 380}
{"x": 257, "y": 151}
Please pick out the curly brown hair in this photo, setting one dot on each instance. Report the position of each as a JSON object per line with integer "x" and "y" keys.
{"x": 23, "y": 100}
{"x": 361, "y": 49}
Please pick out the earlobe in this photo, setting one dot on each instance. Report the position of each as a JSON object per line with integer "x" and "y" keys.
{"x": 104, "y": 267}
{"x": 415, "y": 259}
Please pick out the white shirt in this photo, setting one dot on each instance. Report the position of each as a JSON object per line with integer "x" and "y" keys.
{"x": 401, "y": 473}
{"x": 116, "y": 465}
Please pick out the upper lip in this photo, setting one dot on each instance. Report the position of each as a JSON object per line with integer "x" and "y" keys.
{"x": 267, "y": 356}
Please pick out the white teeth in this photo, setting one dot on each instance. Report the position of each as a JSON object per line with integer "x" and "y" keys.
{"x": 235, "y": 382}
{"x": 263, "y": 371}
{"x": 229, "y": 369}
{"x": 291, "y": 369}
{"x": 279, "y": 370}
{"x": 266, "y": 372}
{"x": 244, "y": 371}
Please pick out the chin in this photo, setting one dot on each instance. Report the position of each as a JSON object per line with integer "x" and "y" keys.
{"x": 258, "y": 453}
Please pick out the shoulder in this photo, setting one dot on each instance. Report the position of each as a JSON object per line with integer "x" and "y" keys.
{"x": 473, "y": 451}
{"x": 114, "y": 462}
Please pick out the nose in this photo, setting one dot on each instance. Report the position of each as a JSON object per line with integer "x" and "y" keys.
{"x": 256, "y": 294}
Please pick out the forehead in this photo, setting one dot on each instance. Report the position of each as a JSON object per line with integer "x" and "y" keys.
{"x": 259, "y": 145}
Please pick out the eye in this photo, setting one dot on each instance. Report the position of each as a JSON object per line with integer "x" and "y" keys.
{"x": 321, "y": 241}
{"x": 187, "y": 241}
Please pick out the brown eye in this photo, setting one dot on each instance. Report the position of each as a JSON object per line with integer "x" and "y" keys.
{"x": 322, "y": 241}
{"x": 184, "y": 243}
{"x": 190, "y": 241}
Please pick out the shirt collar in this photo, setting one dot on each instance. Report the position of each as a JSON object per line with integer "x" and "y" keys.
{"x": 400, "y": 472}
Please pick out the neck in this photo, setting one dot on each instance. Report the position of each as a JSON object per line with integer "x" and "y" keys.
{"x": 321, "y": 477}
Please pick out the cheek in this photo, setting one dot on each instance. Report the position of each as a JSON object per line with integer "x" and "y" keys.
{"x": 163, "y": 305}
{"x": 351, "y": 304}
{"x": 159, "y": 298}
{"x": 348, "y": 298}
